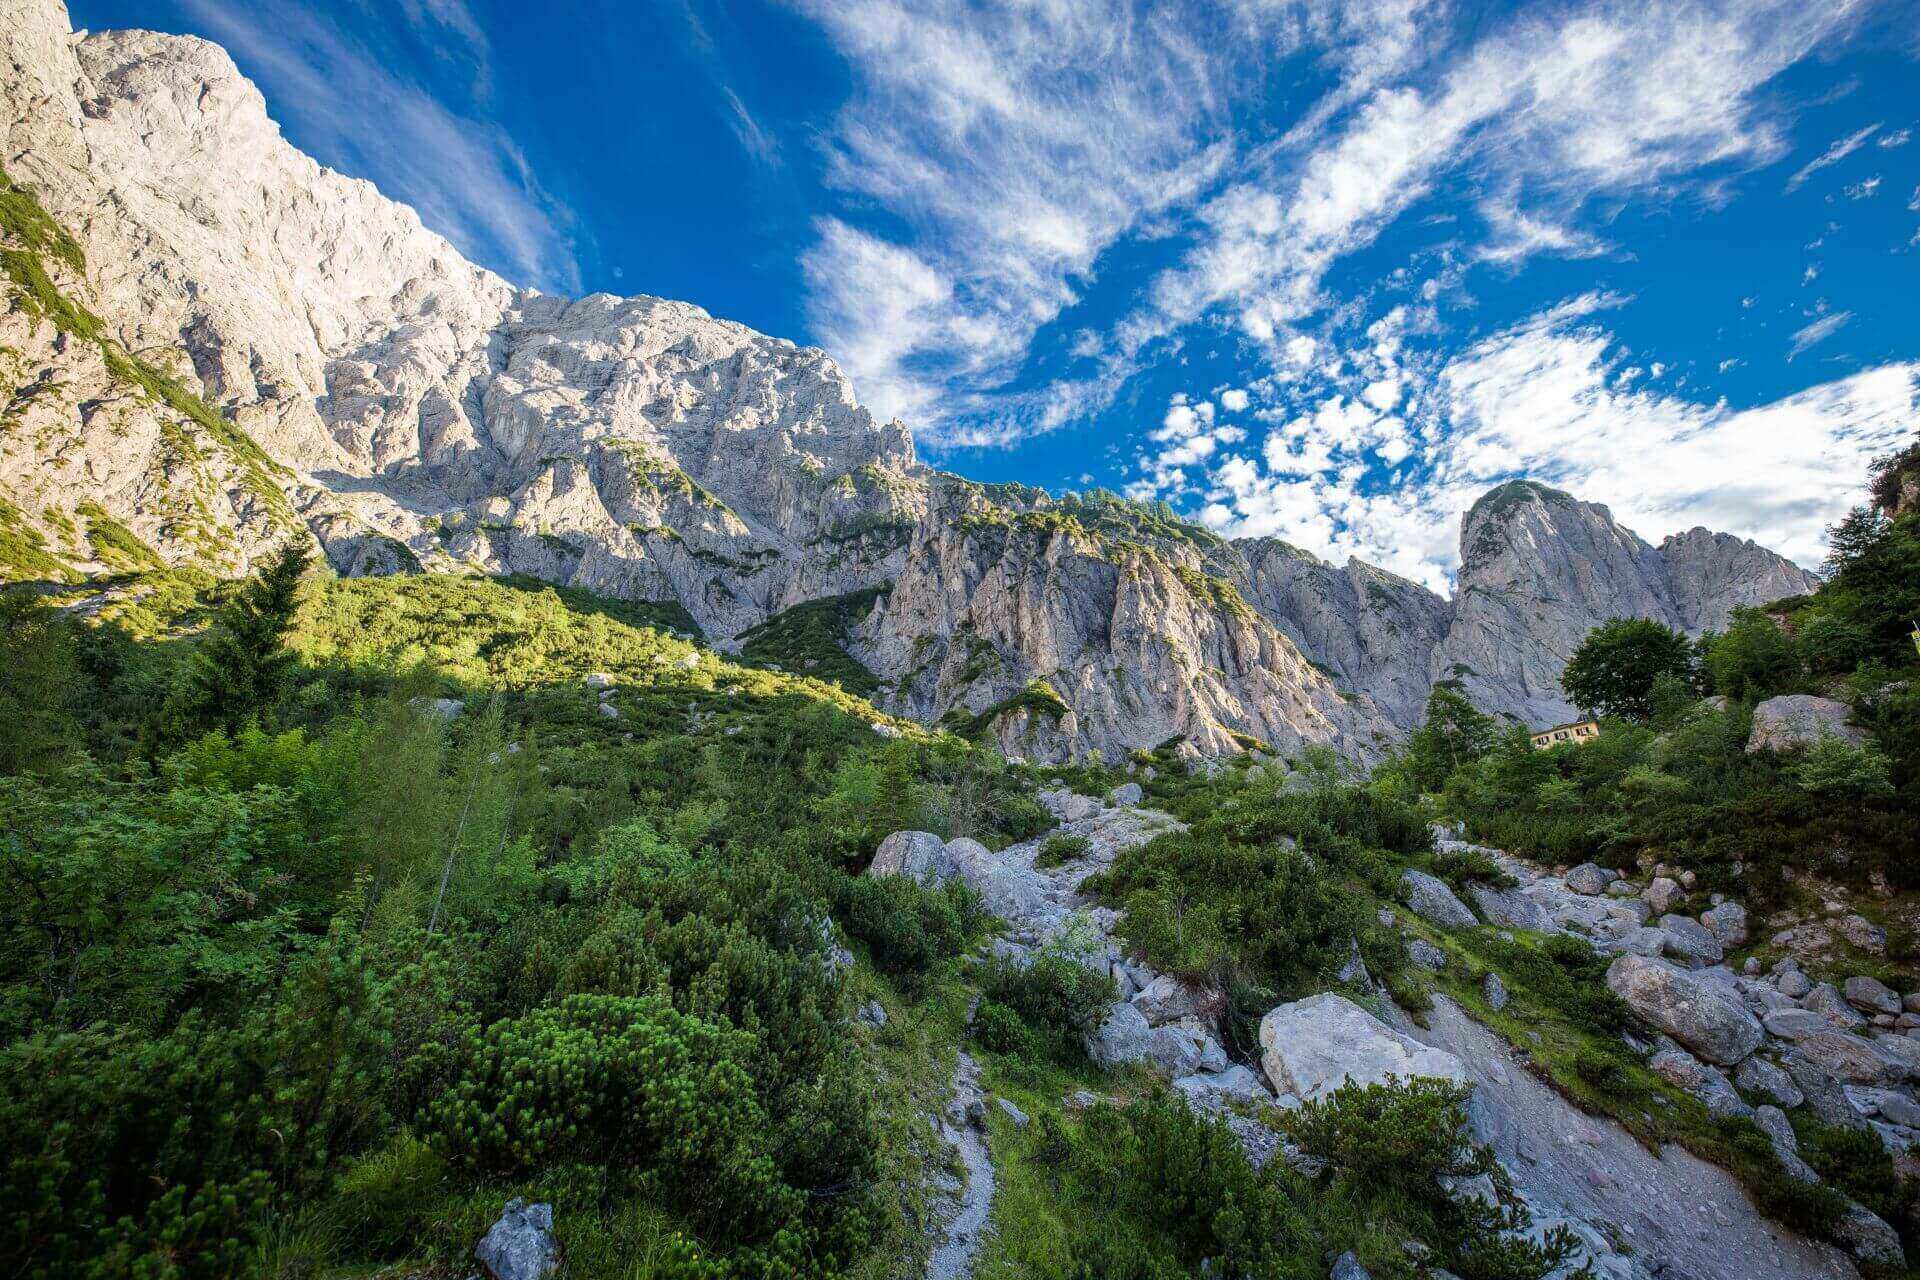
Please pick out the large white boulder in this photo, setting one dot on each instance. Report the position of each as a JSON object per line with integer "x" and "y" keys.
{"x": 1705, "y": 1015}
{"x": 918, "y": 854}
{"x": 1122, "y": 1037}
{"x": 1430, "y": 898}
{"x": 1795, "y": 720}
{"x": 1311, "y": 1047}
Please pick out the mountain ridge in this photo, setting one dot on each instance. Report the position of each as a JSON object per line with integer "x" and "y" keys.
{"x": 429, "y": 415}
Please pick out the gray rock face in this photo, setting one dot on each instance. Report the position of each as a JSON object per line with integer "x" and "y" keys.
{"x": 1705, "y": 1016}
{"x": 1374, "y": 629}
{"x": 520, "y": 1245}
{"x": 1311, "y": 1047}
{"x": 1540, "y": 569}
{"x": 1684, "y": 1217}
{"x": 1795, "y": 720}
{"x": 1430, "y": 898}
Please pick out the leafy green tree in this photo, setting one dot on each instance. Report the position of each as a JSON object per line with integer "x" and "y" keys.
{"x": 1454, "y": 733}
{"x": 242, "y": 664}
{"x": 1753, "y": 658}
{"x": 1613, "y": 671}
{"x": 1873, "y": 568}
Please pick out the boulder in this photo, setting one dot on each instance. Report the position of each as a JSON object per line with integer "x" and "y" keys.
{"x": 1779, "y": 1130}
{"x": 1727, "y": 922}
{"x": 1237, "y": 1083}
{"x": 1825, "y": 1099}
{"x": 1902, "y": 1051}
{"x": 1311, "y": 1047}
{"x": 1684, "y": 1071}
{"x": 1758, "y": 1076}
{"x": 1127, "y": 793}
{"x": 1826, "y": 1000}
{"x": 1013, "y": 1113}
{"x": 1862, "y": 933}
{"x": 1432, "y": 900}
{"x": 1347, "y": 1267}
{"x": 520, "y": 1245}
{"x": 1795, "y": 1024}
{"x": 1706, "y": 1016}
{"x": 1122, "y": 1037}
{"x": 1169, "y": 999}
{"x": 920, "y": 855}
{"x": 1662, "y": 893}
{"x": 1423, "y": 954}
{"x": 1689, "y": 941}
{"x": 1848, "y": 1058}
{"x": 1868, "y": 1237}
{"x": 1870, "y": 995}
{"x": 1796, "y": 720}
{"x": 1494, "y": 992}
{"x": 1510, "y": 908}
{"x": 1589, "y": 878}
{"x": 1181, "y": 1049}
{"x": 1792, "y": 982}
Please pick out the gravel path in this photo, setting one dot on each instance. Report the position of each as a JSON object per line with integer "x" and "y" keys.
{"x": 1677, "y": 1215}
{"x": 953, "y": 1259}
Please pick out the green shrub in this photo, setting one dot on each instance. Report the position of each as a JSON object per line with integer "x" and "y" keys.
{"x": 662, "y": 1102}
{"x": 1000, "y": 1030}
{"x": 1062, "y": 848}
{"x": 1396, "y": 1142}
{"x": 910, "y": 929}
{"x": 1601, "y": 1069}
{"x": 1055, "y": 992}
{"x": 1173, "y": 1188}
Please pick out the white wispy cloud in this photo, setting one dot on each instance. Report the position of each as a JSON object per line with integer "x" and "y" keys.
{"x": 1818, "y": 331}
{"x": 1547, "y": 400}
{"x": 1840, "y": 150}
{"x": 348, "y": 104}
{"x": 1607, "y": 100}
{"x": 1012, "y": 142}
{"x": 1897, "y": 138}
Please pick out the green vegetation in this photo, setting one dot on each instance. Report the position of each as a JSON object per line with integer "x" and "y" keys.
{"x": 115, "y": 545}
{"x": 1037, "y": 696}
{"x": 811, "y": 638}
{"x": 24, "y": 556}
{"x": 1622, "y": 665}
{"x": 302, "y": 972}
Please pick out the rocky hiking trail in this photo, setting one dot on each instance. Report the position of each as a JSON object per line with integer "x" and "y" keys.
{"x": 1638, "y": 1213}
{"x": 963, "y": 1129}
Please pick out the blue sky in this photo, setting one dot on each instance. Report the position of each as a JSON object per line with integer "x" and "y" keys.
{"x": 1314, "y": 268}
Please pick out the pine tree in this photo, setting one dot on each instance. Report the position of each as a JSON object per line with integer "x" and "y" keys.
{"x": 242, "y": 664}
